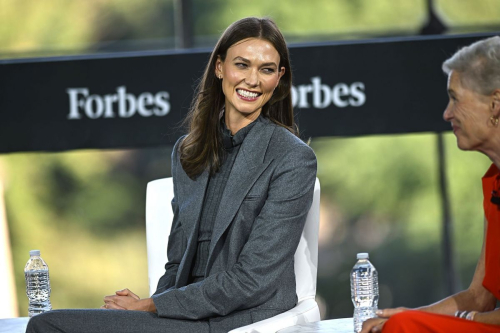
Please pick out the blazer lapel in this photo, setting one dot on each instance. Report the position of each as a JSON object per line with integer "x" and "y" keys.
{"x": 193, "y": 195}
{"x": 247, "y": 168}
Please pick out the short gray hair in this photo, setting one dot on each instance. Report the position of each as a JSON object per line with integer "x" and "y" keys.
{"x": 478, "y": 65}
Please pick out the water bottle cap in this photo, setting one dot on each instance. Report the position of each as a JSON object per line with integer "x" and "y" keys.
{"x": 362, "y": 255}
{"x": 34, "y": 253}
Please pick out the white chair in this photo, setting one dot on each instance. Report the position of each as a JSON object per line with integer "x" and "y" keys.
{"x": 158, "y": 221}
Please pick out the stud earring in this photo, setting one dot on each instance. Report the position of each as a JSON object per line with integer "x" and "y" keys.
{"x": 494, "y": 121}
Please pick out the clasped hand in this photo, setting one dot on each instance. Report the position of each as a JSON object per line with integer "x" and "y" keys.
{"x": 127, "y": 300}
{"x": 376, "y": 324}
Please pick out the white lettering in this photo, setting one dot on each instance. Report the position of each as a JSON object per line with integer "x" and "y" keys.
{"x": 144, "y": 100}
{"x": 303, "y": 91}
{"x": 123, "y": 104}
{"x": 108, "y": 101}
{"x": 340, "y": 90}
{"x": 89, "y": 110}
{"x": 161, "y": 101}
{"x": 318, "y": 90}
{"x": 125, "y": 99}
{"x": 341, "y": 95}
{"x": 73, "y": 101}
{"x": 358, "y": 94}
{"x": 295, "y": 96}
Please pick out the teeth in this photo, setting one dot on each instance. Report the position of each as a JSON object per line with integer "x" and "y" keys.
{"x": 248, "y": 94}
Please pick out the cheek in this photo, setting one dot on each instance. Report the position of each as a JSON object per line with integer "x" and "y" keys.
{"x": 225, "y": 88}
{"x": 472, "y": 118}
{"x": 228, "y": 84}
{"x": 233, "y": 77}
{"x": 464, "y": 113}
{"x": 270, "y": 84}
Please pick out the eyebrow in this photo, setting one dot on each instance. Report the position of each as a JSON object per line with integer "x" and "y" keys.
{"x": 248, "y": 61}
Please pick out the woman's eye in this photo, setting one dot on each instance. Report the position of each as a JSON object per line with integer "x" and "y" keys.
{"x": 241, "y": 65}
{"x": 268, "y": 70}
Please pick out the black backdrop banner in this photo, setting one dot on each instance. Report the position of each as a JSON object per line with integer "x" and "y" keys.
{"x": 139, "y": 100}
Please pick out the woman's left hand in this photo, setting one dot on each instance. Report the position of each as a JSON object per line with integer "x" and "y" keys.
{"x": 127, "y": 300}
{"x": 376, "y": 324}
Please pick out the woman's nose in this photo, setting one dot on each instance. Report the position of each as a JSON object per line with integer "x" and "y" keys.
{"x": 252, "y": 78}
{"x": 447, "y": 113}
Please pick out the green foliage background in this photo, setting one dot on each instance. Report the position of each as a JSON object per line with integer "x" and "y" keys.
{"x": 85, "y": 209}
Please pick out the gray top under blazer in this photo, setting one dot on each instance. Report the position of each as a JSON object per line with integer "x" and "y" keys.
{"x": 250, "y": 271}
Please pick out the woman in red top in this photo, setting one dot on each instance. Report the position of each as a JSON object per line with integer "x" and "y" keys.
{"x": 474, "y": 112}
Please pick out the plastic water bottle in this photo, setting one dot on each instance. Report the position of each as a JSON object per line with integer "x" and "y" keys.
{"x": 364, "y": 290}
{"x": 36, "y": 273}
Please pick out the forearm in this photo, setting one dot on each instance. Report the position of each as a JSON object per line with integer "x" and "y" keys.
{"x": 467, "y": 300}
{"x": 460, "y": 301}
{"x": 127, "y": 300}
{"x": 491, "y": 317}
{"x": 147, "y": 304}
{"x": 475, "y": 298}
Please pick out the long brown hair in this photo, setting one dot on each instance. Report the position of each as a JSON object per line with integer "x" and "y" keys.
{"x": 202, "y": 148}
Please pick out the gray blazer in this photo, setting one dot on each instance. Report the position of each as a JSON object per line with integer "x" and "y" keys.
{"x": 250, "y": 272}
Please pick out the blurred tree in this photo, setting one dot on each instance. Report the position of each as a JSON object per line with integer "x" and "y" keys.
{"x": 58, "y": 27}
{"x": 85, "y": 211}
{"x": 469, "y": 15}
{"x": 318, "y": 19}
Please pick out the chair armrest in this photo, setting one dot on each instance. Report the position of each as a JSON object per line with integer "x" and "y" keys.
{"x": 305, "y": 311}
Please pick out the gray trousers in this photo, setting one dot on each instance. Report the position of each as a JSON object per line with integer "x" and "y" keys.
{"x": 119, "y": 321}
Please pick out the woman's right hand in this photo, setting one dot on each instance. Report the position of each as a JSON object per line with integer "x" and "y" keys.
{"x": 376, "y": 324}
{"x": 373, "y": 325}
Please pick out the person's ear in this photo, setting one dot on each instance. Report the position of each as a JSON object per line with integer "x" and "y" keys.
{"x": 218, "y": 67}
{"x": 495, "y": 103}
{"x": 280, "y": 74}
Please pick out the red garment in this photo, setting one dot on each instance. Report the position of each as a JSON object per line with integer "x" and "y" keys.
{"x": 413, "y": 321}
{"x": 425, "y": 322}
{"x": 491, "y": 182}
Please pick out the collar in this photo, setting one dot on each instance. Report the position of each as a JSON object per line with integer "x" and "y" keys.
{"x": 230, "y": 141}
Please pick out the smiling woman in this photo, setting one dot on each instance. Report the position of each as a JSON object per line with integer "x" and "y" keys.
{"x": 243, "y": 184}
{"x": 474, "y": 112}
{"x": 249, "y": 76}
{"x": 470, "y": 116}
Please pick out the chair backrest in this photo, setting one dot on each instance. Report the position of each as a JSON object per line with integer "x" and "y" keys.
{"x": 159, "y": 216}
{"x": 306, "y": 256}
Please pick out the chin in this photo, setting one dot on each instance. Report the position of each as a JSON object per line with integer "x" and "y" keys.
{"x": 464, "y": 146}
{"x": 461, "y": 146}
{"x": 247, "y": 112}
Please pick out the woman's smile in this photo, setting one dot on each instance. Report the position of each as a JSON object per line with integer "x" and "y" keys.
{"x": 248, "y": 95}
